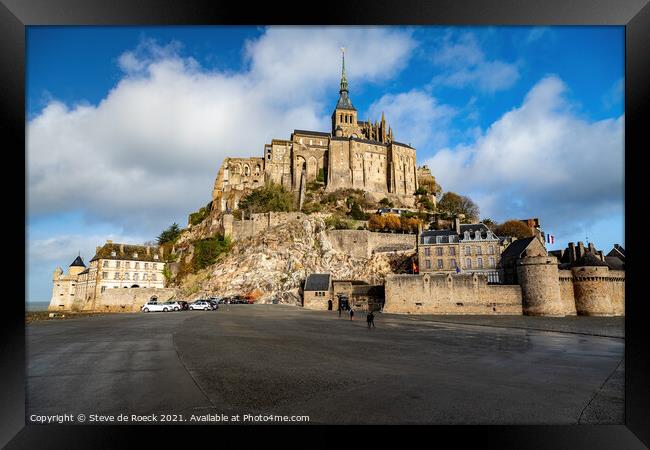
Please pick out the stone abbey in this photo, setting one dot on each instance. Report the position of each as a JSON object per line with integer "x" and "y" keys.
{"x": 355, "y": 154}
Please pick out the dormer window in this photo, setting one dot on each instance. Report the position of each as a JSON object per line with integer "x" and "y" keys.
{"x": 113, "y": 253}
{"x": 467, "y": 235}
{"x": 155, "y": 257}
{"x": 135, "y": 255}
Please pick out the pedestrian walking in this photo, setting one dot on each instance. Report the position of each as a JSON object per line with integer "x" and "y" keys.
{"x": 370, "y": 318}
{"x": 351, "y": 313}
{"x": 340, "y": 309}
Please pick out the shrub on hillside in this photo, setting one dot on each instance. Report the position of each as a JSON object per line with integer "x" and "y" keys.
{"x": 269, "y": 198}
{"x": 206, "y": 251}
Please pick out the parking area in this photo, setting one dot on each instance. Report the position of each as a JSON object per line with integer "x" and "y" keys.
{"x": 284, "y": 360}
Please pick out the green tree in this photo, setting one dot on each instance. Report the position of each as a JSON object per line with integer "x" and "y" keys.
{"x": 169, "y": 235}
{"x": 206, "y": 251}
{"x": 271, "y": 197}
{"x": 491, "y": 224}
{"x": 356, "y": 212}
{"x": 513, "y": 228}
{"x": 456, "y": 204}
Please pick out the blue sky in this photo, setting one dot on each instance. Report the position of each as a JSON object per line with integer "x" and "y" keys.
{"x": 127, "y": 126}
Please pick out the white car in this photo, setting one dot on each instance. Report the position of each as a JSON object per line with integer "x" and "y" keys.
{"x": 175, "y": 306}
{"x": 155, "y": 306}
{"x": 201, "y": 304}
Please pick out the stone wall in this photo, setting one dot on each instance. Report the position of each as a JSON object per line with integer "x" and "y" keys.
{"x": 450, "y": 294}
{"x": 363, "y": 243}
{"x": 539, "y": 280}
{"x": 617, "y": 291}
{"x": 257, "y": 223}
{"x": 566, "y": 286}
{"x": 128, "y": 300}
{"x": 592, "y": 289}
{"x": 313, "y": 301}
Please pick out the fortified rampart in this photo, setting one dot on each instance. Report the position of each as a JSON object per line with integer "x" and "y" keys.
{"x": 542, "y": 290}
{"x": 363, "y": 243}
{"x": 450, "y": 294}
{"x": 540, "y": 287}
{"x": 128, "y": 300}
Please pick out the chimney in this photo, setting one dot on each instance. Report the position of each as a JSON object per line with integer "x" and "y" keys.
{"x": 148, "y": 250}
{"x": 121, "y": 248}
{"x": 457, "y": 225}
{"x": 601, "y": 255}
{"x": 108, "y": 241}
{"x": 572, "y": 252}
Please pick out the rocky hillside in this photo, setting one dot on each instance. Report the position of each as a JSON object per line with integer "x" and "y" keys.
{"x": 272, "y": 265}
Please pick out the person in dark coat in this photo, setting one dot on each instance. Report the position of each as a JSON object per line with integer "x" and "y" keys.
{"x": 370, "y": 318}
{"x": 351, "y": 313}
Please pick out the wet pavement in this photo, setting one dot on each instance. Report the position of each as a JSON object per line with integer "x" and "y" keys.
{"x": 283, "y": 360}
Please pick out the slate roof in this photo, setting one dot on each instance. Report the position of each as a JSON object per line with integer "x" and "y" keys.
{"x": 78, "y": 262}
{"x": 615, "y": 263}
{"x": 589, "y": 260}
{"x": 617, "y": 252}
{"x": 84, "y": 271}
{"x": 311, "y": 133}
{"x": 106, "y": 252}
{"x": 345, "y": 102}
{"x": 517, "y": 247}
{"x": 317, "y": 282}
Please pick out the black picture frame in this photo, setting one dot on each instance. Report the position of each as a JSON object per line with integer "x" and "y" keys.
{"x": 15, "y": 15}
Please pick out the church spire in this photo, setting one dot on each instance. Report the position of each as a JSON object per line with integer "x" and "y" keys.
{"x": 344, "y": 79}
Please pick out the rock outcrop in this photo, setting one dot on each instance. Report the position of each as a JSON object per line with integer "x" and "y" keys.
{"x": 272, "y": 265}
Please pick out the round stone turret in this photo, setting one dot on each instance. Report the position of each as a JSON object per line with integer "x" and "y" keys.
{"x": 540, "y": 287}
{"x": 590, "y": 286}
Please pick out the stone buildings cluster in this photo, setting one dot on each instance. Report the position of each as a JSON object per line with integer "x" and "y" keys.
{"x": 354, "y": 154}
{"x": 117, "y": 275}
{"x": 523, "y": 278}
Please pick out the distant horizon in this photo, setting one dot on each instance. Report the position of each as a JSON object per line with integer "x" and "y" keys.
{"x": 526, "y": 121}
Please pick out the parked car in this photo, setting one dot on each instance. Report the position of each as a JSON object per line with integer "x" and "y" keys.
{"x": 174, "y": 305}
{"x": 155, "y": 306}
{"x": 200, "y": 304}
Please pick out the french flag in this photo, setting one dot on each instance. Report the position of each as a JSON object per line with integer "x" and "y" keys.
{"x": 550, "y": 239}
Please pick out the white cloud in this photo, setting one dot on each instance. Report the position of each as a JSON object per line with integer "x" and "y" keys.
{"x": 464, "y": 64}
{"x": 543, "y": 160}
{"x": 148, "y": 153}
{"x": 416, "y": 118}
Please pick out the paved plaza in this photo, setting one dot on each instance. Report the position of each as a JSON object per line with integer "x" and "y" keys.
{"x": 284, "y": 360}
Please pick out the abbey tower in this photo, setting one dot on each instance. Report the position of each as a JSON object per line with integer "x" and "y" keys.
{"x": 354, "y": 154}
